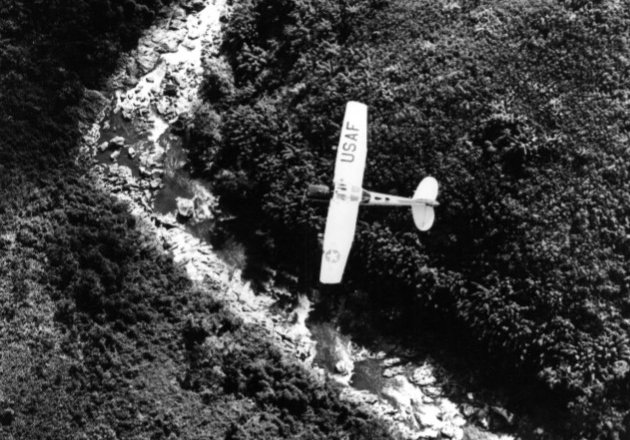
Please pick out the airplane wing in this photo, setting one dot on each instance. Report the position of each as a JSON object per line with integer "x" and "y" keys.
{"x": 352, "y": 148}
{"x": 344, "y": 205}
{"x": 340, "y": 226}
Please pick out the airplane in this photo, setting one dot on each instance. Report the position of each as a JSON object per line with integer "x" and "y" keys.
{"x": 348, "y": 194}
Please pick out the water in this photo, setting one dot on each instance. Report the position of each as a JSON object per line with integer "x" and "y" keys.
{"x": 176, "y": 181}
{"x": 368, "y": 375}
{"x": 143, "y": 114}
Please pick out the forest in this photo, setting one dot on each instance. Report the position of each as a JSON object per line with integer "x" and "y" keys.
{"x": 519, "y": 109}
{"x": 101, "y": 335}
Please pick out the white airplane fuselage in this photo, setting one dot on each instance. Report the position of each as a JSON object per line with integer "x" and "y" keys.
{"x": 364, "y": 197}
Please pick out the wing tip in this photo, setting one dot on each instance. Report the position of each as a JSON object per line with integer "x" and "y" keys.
{"x": 357, "y": 104}
{"x": 325, "y": 277}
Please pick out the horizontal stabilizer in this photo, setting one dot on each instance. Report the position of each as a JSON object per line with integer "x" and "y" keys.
{"x": 427, "y": 190}
{"x": 423, "y": 216}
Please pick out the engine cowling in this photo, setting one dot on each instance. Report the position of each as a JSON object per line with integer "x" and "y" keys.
{"x": 318, "y": 193}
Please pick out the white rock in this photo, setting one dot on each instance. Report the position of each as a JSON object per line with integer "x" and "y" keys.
{"x": 453, "y": 432}
{"x": 423, "y": 375}
{"x": 185, "y": 207}
{"x": 458, "y": 421}
{"x": 117, "y": 142}
{"x": 428, "y": 433}
{"x": 131, "y": 152}
{"x": 203, "y": 212}
{"x": 427, "y": 415}
{"x": 391, "y": 361}
{"x": 433, "y": 391}
{"x": 115, "y": 155}
{"x": 188, "y": 45}
{"x": 394, "y": 371}
{"x": 401, "y": 391}
{"x": 194, "y": 34}
{"x": 343, "y": 367}
{"x": 449, "y": 408}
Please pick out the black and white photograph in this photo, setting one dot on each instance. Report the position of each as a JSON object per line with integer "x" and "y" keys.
{"x": 314, "y": 219}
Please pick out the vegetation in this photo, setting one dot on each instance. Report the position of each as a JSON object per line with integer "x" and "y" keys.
{"x": 101, "y": 335}
{"x": 517, "y": 108}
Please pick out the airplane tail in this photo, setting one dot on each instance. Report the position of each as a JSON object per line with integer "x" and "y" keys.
{"x": 424, "y": 215}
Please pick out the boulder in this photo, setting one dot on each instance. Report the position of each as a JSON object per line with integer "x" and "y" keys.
{"x": 147, "y": 60}
{"x": 188, "y": 44}
{"x": 178, "y": 19}
{"x": 468, "y": 410}
{"x": 168, "y": 45}
{"x": 185, "y": 207}
{"x": 428, "y": 415}
{"x": 453, "y": 432}
{"x": 394, "y": 371}
{"x": 115, "y": 155}
{"x": 429, "y": 433}
{"x": 343, "y": 367}
{"x": 131, "y": 152}
{"x": 203, "y": 209}
{"x": 117, "y": 142}
{"x": 423, "y": 375}
{"x": 194, "y": 33}
{"x": 389, "y": 362}
{"x": 130, "y": 81}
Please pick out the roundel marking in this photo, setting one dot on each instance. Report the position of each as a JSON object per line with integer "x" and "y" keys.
{"x": 332, "y": 256}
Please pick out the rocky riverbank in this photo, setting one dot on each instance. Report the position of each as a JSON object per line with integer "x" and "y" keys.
{"x": 134, "y": 142}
